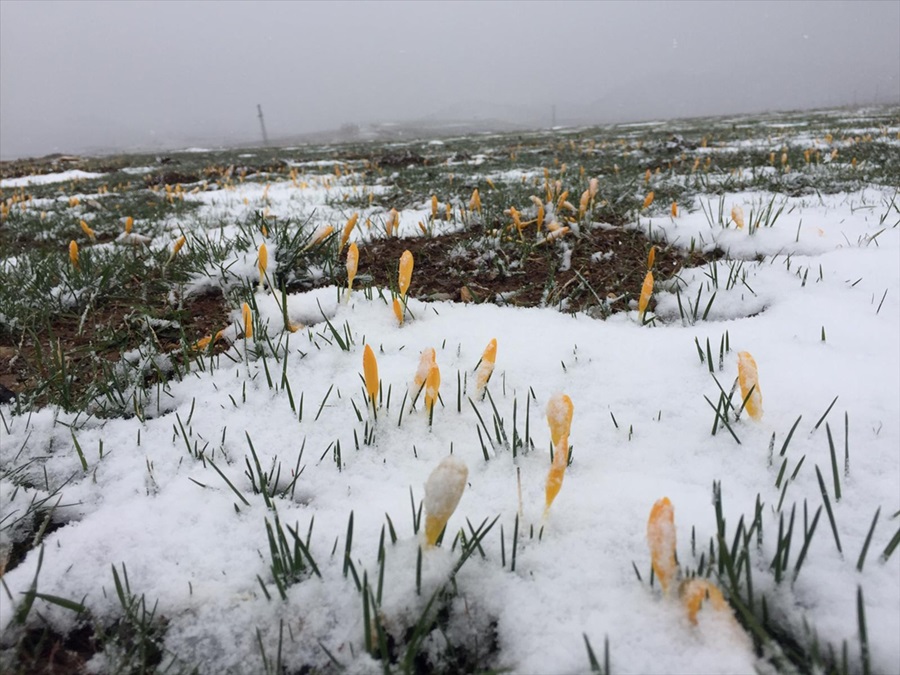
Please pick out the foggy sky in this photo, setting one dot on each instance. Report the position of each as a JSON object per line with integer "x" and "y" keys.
{"x": 89, "y": 76}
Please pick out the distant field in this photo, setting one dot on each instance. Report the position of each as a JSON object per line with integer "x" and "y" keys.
{"x": 200, "y": 474}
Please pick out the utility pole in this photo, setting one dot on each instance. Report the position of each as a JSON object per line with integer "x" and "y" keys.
{"x": 262, "y": 124}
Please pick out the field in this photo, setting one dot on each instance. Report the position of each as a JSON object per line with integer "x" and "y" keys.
{"x": 619, "y": 399}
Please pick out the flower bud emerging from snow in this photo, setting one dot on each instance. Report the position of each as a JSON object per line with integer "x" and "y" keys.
{"x": 443, "y": 490}
{"x": 405, "y": 274}
{"x": 737, "y": 215}
{"x": 73, "y": 253}
{"x": 661, "y": 539}
{"x": 248, "y": 321}
{"x": 88, "y": 231}
{"x": 749, "y": 379}
{"x": 370, "y": 373}
{"x": 694, "y": 591}
{"x": 352, "y": 265}
{"x": 486, "y": 367}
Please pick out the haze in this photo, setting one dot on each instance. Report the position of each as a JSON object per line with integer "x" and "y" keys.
{"x": 85, "y": 77}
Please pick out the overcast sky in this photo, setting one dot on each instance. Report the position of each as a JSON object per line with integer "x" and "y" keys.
{"x": 82, "y": 76}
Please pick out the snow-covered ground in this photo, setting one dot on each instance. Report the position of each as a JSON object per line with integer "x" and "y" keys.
{"x": 44, "y": 179}
{"x": 815, "y": 299}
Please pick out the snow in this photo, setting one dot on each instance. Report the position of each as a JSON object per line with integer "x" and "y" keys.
{"x": 44, "y": 179}
{"x": 640, "y": 432}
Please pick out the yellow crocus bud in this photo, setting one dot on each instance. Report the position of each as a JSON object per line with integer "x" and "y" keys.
{"x": 352, "y": 264}
{"x": 405, "y": 274}
{"x": 398, "y": 310}
{"x": 594, "y": 187}
{"x": 737, "y": 215}
{"x": 73, "y": 253}
{"x": 648, "y": 200}
{"x": 263, "y": 262}
{"x": 248, "y": 321}
{"x": 443, "y": 490}
{"x": 88, "y": 231}
{"x": 129, "y": 223}
{"x": 434, "y": 207}
{"x": 749, "y": 379}
{"x": 432, "y": 386}
{"x": 370, "y": 374}
{"x": 646, "y": 292}
{"x": 320, "y": 235}
{"x": 647, "y": 177}
{"x": 651, "y": 257}
{"x": 661, "y": 539}
{"x": 475, "y": 201}
{"x": 694, "y": 591}
{"x": 559, "y": 417}
{"x": 486, "y": 366}
{"x": 583, "y": 203}
{"x": 674, "y": 209}
{"x": 393, "y": 223}
{"x": 348, "y": 228}
{"x": 177, "y": 246}
{"x": 426, "y": 361}
{"x": 202, "y": 343}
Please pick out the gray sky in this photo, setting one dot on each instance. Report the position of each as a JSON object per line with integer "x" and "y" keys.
{"x": 81, "y": 76}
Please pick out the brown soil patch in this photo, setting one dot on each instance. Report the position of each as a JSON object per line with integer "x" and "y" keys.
{"x": 29, "y": 359}
{"x": 450, "y": 267}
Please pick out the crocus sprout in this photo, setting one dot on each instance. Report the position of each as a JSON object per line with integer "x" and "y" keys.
{"x": 129, "y": 223}
{"x": 73, "y": 253}
{"x": 248, "y": 321}
{"x": 348, "y": 228}
{"x": 263, "y": 262}
{"x": 434, "y": 207}
{"x": 559, "y": 418}
{"x": 648, "y": 200}
{"x": 749, "y": 380}
{"x": 486, "y": 366}
{"x": 674, "y": 209}
{"x": 405, "y": 274}
{"x": 352, "y": 265}
{"x": 475, "y": 202}
{"x": 88, "y": 231}
{"x": 443, "y": 490}
{"x": 398, "y": 310}
{"x": 393, "y": 222}
{"x": 661, "y": 539}
{"x": 320, "y": 235}
{"x": 583, "y": 203}
{"x": 594, "y": 187}
{"x": 432, "y": 386}
{"x": 176, "y": 247}
{"x": 737, "y": 215}
{"x": 646, "y": 292}
{"x": 651, "y": 257}
{"x": 370, "y": 374}
{"x": 694, "y": 591}
{"x": 202, "y": 343}
{"x": 426, "y": 362}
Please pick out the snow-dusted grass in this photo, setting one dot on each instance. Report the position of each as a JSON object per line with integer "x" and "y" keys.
{"x": 202, "y": 498}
